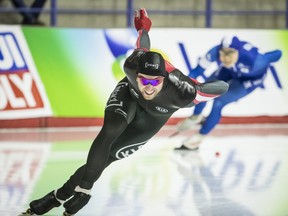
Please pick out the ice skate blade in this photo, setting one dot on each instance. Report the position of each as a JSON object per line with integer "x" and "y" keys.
{"x": 67, "y": 214}
{"x": 27, "y": 212}
{"x": 184, "y": 148}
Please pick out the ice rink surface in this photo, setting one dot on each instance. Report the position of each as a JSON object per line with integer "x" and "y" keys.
{"x": 248, "y": 177}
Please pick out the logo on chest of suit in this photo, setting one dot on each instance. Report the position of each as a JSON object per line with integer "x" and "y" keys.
{"x": 161, "y": 109}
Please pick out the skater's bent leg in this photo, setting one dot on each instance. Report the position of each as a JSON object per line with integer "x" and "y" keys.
{"x": 213, "y": 118}
{"x": 114, "y": 125}
{"x": 236, "y": 91}
{"x": 68, "y": 188}
{"x": 199, "y": 108}
{"x": 81, "y": 196}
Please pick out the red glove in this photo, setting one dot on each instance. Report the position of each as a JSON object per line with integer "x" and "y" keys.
{"x": 141, "y": 20}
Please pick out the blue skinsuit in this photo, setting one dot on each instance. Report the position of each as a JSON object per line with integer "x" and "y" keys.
{"x": 244, "y": 77}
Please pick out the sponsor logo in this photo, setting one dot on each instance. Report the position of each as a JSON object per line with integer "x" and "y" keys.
{"x": 161, "y": 109}
{"x": 21, "y": 90}
{"x": 128, "y": 150}
{"x": 153, "y": 66}
{"x": 113, "y": 100}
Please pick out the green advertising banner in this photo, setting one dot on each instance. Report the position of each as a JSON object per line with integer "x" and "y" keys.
{"x": 73, "y": 68}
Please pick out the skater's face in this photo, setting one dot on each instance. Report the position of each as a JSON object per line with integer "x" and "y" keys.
{"x": 228, "y": 56}
{"x": 149, "y": 86}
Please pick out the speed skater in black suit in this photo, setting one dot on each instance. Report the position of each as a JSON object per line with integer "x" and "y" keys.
{"x": 141, "y": 103}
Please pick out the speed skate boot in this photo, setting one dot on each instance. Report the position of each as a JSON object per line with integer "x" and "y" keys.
{"x": 77, "y": 202}
{"x": 182, "y": 147}
{"x": 43, "y": 205}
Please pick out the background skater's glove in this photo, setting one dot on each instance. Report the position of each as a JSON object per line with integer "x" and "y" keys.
{"x": 77, "y": 202}
{"x": 141, "y": 20}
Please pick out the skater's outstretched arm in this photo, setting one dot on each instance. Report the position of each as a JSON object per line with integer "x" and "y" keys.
{"x": 209, "y": 90}
{"x": 198, "y": 92}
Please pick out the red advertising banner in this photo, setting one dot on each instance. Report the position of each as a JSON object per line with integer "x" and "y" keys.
{"x": 22, "y": 93}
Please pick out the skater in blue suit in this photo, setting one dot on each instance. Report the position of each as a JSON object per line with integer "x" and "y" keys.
{"x": 243, "y": 67}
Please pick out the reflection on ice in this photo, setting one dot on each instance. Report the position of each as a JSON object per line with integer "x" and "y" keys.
{"x": 249, "y": 177}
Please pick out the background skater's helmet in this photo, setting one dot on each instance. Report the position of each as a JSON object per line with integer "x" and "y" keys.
{"x": 231, "y": 42}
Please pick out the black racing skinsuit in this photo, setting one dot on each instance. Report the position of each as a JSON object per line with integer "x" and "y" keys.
{"x": 130, "y": 120}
